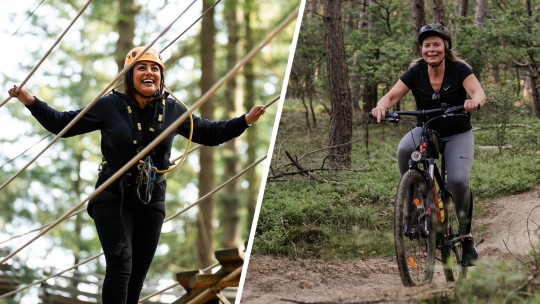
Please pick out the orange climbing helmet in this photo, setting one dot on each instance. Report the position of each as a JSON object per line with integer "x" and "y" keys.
{"x": 151, "y": 55}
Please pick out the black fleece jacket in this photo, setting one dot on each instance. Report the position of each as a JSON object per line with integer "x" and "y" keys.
{"x": 110, "y": 116}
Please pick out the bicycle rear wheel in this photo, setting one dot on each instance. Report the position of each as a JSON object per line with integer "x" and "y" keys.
{"x": 415, "y": 249}
{"x": 451, "y": 249}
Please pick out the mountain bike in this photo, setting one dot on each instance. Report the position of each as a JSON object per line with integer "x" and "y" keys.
{"x": 425, "y": 219}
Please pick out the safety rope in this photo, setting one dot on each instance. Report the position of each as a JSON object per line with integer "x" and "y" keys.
{"x": 49, "y": 51}
{"x": 28, "y": 17}
{"x": 166, "y": 220}
{"x": 5, "y": 295}
{"x": 215, "y": 189}
{"x": 91, "y": 104}
{"x": 182, "y": 157}
{"x": 28, "y": 149}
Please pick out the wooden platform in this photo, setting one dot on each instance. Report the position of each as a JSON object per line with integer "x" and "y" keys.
{"x": 206, "y": 288}
{"x": 9, "y": 277}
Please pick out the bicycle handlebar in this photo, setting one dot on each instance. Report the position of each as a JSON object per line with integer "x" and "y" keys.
{"x": 395, "y": 116}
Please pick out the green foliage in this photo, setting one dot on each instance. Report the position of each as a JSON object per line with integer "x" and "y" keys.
{"x": 498, "y": 282}
{"x": 302, "y": 219}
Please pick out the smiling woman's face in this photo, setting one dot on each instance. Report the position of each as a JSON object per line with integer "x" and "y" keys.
{"x": 433, "y": 50}
{"x": 146, "y": 78}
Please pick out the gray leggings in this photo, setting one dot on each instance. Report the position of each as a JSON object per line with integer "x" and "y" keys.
{"x": 459, "y": 155}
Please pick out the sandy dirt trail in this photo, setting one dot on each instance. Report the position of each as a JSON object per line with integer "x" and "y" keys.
{"x": 503, "y": 227}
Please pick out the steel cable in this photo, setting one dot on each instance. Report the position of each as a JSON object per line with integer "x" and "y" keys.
{"x": 91, "y": 104}
{"x": 49, "y": 51}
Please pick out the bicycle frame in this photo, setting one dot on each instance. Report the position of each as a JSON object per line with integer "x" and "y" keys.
{"x": 425, "y": 177}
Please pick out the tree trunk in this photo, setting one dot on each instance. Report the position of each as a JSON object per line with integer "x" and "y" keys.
{"x": 126, "y": 30}
{"x": 463, "y": 9}
{"x": 312, "y": 6}
{"x": 419, "y": 20}
{"x": 437, "y": 11}
{"x": 205, "y": 232}
{"x": 340, "y": 94}
{"x": 533, "y": 84}
{"x": 479, "y": 19}
{"x": 480, "y": 12}
{"x": 251, "y": 137}
{"x": 233, "y": 103}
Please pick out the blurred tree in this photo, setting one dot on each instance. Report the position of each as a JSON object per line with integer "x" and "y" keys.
{"x": 340, "y": 94}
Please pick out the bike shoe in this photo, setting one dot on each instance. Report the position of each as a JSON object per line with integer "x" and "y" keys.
{"x": 469, "y": 254}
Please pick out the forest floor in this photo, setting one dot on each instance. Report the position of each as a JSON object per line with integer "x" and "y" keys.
{"x": 503, "y": 228}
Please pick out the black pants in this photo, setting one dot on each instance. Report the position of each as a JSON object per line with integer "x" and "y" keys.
{"x": 125, "y": 272}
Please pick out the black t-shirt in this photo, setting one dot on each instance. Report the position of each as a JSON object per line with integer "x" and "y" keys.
{"x": 452, "y": 93}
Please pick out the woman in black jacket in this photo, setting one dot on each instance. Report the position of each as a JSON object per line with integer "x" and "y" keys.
{"x": 129, "y": 214}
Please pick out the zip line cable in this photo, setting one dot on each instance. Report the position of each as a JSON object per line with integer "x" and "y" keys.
{"x": 189, "y": 27}
{"x": 166, "y": 220}
{"x": 91, "y": 104}
{"x": 49, "y": 51}
{"x": 215, "y": 189}
{"x": 5, "y": 295}
{"x": 230, "y": 74}
{"x": 28, "y": 149}
{"x": 28, "y": 17}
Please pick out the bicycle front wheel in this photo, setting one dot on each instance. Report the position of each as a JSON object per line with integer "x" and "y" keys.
{"x": 414, "y": 239}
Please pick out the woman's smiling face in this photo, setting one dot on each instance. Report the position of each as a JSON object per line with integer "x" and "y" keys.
{"x": 433, "y": 50}
{"x": 146, "y": 78}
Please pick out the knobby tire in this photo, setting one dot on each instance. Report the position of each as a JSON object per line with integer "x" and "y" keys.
{"x": 416, "y": 256}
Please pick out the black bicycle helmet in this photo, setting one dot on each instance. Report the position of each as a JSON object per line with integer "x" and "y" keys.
{"x": 434, "y": 29}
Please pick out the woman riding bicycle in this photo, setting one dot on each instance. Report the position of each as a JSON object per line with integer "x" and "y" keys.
{"x": 439, "y": 76}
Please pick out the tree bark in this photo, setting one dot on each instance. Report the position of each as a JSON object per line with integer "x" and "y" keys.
{"x": 233, "y": 103}
{"x": 479, "y": 19}
{"x": 340, "y": 94}
{"x": 437, "y": 11}
{"x": 205, "y": 232}
{"x": 126, "y": 30}
{"x": 418, "y": 20}
{"x": 480, "y": 12}
{"x": 463, "y": 9}
{"x": 312, "y": 6}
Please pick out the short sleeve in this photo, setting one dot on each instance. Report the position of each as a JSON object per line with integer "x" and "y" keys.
{"x": 409, "y": 76}
{"x": 464, "y": 72}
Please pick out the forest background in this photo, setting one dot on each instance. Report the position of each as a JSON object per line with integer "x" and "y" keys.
{"x": 81, "y": 65}
{"x": 333, "y": 199}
